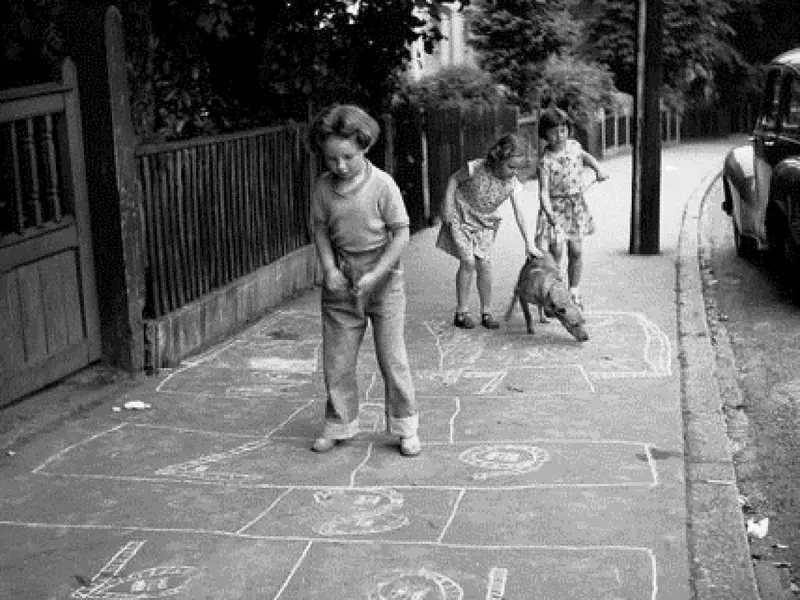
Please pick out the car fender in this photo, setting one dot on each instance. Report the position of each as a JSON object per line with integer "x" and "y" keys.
{"x": 746, "y": 209}
{"x": 739, "y": 163}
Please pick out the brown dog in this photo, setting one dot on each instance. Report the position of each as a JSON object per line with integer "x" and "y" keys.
{"x": 540, "y": 283}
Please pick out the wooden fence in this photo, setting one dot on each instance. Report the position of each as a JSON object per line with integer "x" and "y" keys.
{"x": 455, "y": 136}
{"x": 219, "y": 208}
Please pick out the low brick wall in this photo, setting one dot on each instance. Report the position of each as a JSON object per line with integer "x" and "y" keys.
{"x": 218, "y": 315}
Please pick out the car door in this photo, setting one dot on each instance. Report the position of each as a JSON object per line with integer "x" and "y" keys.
{"x": 787, "y": 139}
{"x": 787, "y": 145}
{"x": 765, "y": 135}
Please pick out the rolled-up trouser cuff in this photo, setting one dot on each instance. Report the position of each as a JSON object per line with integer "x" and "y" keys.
{"x": 403, "y": 426}
{"x": 341, "y": 431}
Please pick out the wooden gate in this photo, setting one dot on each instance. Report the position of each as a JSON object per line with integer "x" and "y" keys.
{"x": 49, "y": 324}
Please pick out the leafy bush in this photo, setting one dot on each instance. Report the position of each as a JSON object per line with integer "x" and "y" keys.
{"x": 578, "y": 86}
{"x": 453, "y": 86}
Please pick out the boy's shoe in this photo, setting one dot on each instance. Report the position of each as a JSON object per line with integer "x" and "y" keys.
{"x": 323, "y": 444}
{"x": 488, "y": 321}
{"x": 410, "y": 446}
{"x": 463, "y": 320}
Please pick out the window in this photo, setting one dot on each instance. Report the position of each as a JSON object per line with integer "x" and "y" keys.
{"x": 791, "y": 117}
{"x": 770, "y": 101}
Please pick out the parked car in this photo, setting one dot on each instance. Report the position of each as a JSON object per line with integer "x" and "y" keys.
{"x": 762, "y": 180}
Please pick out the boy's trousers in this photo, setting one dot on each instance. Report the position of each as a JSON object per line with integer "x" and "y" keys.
{"x": 344, "y": 322}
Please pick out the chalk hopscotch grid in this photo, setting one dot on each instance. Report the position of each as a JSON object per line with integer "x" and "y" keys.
{"x": 310, "y": 542}
{"x": 242, "y": 531}
{"x": 657, "y": 354}
{"x": 659, "y": 362}
{"x": 173, "y": 473}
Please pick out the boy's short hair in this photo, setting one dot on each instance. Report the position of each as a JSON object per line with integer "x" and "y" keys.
{"x": 345, "y": 121}
{"x": 507, "y": 146}
{"x": 550, "y": 118}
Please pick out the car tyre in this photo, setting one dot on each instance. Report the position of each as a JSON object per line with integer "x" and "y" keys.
{"x": 784, "y": 254}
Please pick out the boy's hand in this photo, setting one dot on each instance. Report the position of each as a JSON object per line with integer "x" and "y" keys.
{"x": 602, "y": 176}
{"x": 335, "y": 280}
{"x": 364, "y": 285}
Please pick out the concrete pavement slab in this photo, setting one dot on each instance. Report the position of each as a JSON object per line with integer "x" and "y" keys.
{"x": 104, "y": 563}
{"x": 551, "y": 469}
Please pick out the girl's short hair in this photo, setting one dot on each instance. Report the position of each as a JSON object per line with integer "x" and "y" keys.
{"x": 550, "y": 118}
{"x": 506, "y": 147}
{"x": 345, "y": 121}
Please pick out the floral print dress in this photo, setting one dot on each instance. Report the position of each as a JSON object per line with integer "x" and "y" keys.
{"x": 563, "y": 171}
{"x": 478, "y": 196}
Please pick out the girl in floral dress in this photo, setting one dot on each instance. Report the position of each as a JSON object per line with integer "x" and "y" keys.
{"x": 470, "y": 221}
{"x": 563, "y": 212}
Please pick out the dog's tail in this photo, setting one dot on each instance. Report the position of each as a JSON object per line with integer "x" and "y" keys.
{"x": 510, "y": 309}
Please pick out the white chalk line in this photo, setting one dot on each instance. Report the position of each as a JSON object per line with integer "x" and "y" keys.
{"x": 496, "y": 590}
{"x": 453, "y": 417}
{"x": 294, "y": 570}
{"x": 279, "y": 486}
{"x": 661, "y": 362}
{"x": 587, "y": 379}
{"x": 76, "y": 445}
{"x": 653, "y": 574}
{"x": 172, "y": 473}
{"x": 266, "y": 511}
{"x": 452, "y": 516}
{"x": 207, "y": 432}
{"x": 360, "y": 465}
{"x": 652, "y": 463}
{"x": 370, "y": 386}
{"x": 189, "y": 364}
{"x": 343, "y": 540}
{"x": 217, "y": 457}
{"x": 119, "y": 560}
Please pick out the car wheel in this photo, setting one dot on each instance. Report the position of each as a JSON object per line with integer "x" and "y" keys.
{"x": 784, "y": 254}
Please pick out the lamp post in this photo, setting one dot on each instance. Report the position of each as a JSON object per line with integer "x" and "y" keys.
{"x": 646, "y": 197}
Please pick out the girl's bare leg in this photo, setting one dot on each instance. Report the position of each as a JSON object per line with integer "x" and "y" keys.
{"x": 464, "y": 277}
{"x": 557, "y": 251}
{"x": 574, "y": 263}
{"x": 483, "y": 266}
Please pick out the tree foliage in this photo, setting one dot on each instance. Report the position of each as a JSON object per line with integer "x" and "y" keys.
{"x": 697, "y": 41}
{"x": 291, "y": 57}
{"x": 200, "y": 66}
{"x": 515, "y": 37}
{"x": 451, "y": 87}
{"x": 578, "y": 86}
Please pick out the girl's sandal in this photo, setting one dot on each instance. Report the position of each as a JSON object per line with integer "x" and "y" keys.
{"x": 463, "y": 320}
{"x": 488, "y": 321}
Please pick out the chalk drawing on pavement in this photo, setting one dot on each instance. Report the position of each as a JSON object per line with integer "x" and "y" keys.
{"x": 156, "y": 582}
{"x": 496, "y": 590}
{"x": 416, "y": 585}
{"x": 504, "y": 459}
{"x": 656, "y": 353}
{"x": 275, "y": 357}
{"x": 359, "y": 512}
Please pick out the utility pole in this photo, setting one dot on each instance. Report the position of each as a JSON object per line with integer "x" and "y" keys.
{"x": 645, "y": 210}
